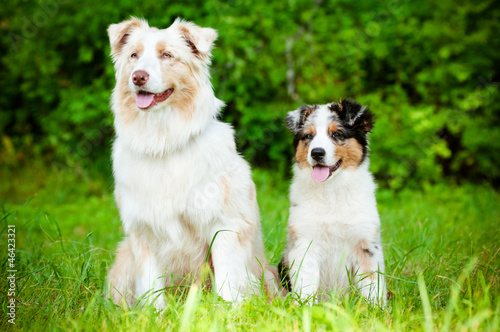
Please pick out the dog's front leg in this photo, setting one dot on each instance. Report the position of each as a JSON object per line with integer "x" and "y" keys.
{"x": 304, "y": 272}
{"x": 121, "y": 275}
{"x": 233, "y": 276}
{"x": 149, "y": 281}
{"x": 370, "y": 272}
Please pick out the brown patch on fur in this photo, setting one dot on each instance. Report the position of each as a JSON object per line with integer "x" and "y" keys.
{"x": 351, "y": 153}
{"x": 363, "y": 254}
{"x": 302, "y": 150}
{"x": 181, "y": 78}
{"x": 226, "y": 189}
{"x": 160, "y": 47}
{"x": 245, "y": 233}
{"x": 293, "y": 235}
{"x": 301, "y": 154}
{"x": 138, "y": 48}
{"x": 332, "y": 128}
{"x": 252, "y": 193}
{"x": 121, "y": 279}
{"x": 188, "y": 226}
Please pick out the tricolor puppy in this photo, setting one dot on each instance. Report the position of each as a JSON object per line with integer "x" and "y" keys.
{"x": 179, "y": 181}
{"x": 334, "y": 226}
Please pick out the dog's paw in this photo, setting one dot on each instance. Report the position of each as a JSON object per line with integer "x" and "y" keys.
{"x": 159, "y": 303}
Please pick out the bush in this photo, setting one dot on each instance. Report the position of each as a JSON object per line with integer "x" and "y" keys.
{"x": 428, "y": 70}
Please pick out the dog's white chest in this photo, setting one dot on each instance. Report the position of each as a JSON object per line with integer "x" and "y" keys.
{"x": 159, "y": 191}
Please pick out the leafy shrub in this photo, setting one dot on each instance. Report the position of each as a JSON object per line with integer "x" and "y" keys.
{"x": 429, "y": 70}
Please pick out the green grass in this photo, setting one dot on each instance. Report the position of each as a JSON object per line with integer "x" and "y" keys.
{"x": 441, "y": 250}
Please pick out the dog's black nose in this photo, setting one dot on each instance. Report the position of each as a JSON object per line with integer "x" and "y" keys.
{"x": 317, "y": 153}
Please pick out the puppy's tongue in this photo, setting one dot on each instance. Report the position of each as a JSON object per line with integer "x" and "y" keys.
{"x": 144, "y": 100}
{"x": 320, "y": 173}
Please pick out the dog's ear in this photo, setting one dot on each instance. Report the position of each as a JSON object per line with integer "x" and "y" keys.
{"x": 200, "y": 40}
{"x": 357, "y": 116}
{"x": 293, "y": 120}
{"x": 296, "y": 119}
{"x": 119, "y": 33}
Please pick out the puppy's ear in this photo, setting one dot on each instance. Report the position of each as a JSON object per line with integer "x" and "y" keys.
{"x": 296, "y": 119}
{"x": 357, "y": 116}
{"x": 293, "y": 120}
{"x": 119, "y": 33}
{"x": 200, "y": 40}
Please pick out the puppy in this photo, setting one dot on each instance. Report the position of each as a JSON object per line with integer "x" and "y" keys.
{"x": 334, "y": 226}
{"x": 185, "y": 196}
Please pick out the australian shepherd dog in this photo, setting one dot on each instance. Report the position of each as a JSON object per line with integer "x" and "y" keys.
{"x": 334, "y": 227}
{"x": 186, "y": 198}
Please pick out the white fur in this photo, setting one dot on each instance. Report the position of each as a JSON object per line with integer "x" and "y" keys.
{"x": 179, "y": 183}
{"x": 321, "y": 119}
{"x": 328, "y": 220}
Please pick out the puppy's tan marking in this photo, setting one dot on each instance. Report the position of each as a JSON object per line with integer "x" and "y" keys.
{"x": 303, "y": 148}
{"x": 351, "y": 153}
{"x": 332, "y": 128}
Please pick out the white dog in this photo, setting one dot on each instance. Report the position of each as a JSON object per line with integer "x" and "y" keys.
{"x": 179, "y": 181}
{"x": 334, "y": 226}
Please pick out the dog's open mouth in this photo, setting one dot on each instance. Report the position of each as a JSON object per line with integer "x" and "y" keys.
{"x": 320, "y": 172}
{"x": 145, "y": 100}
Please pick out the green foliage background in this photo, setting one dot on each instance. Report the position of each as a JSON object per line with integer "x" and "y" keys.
{"x": 429, "y": 70}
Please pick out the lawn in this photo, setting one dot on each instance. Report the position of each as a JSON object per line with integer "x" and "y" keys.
{"x": 441, "y": 247}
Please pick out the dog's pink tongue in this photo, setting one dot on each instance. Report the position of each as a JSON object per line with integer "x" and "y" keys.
{"x": 320, "y": 173}
{"x": 144, "y": 100}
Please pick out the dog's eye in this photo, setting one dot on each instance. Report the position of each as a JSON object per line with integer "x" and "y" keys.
{"x": 337, "y": 135}
{"x": 307, "y": 136}
{"x": 133, "y": 55}
{"x": 167, "y": 55}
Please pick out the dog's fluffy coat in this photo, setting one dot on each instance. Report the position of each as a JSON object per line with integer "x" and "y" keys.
{"x": 179, "y": 181}
{"x": 334, "y": 227}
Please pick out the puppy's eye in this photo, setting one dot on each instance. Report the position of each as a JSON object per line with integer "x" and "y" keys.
{"x": 133, "y": 55}
{"x": 167, "y": 55}
{"x": 307, "y": 136}
{"x": 337, "y": 135}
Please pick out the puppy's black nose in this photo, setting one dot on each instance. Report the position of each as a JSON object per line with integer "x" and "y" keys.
{"x": 317, "y": 153}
